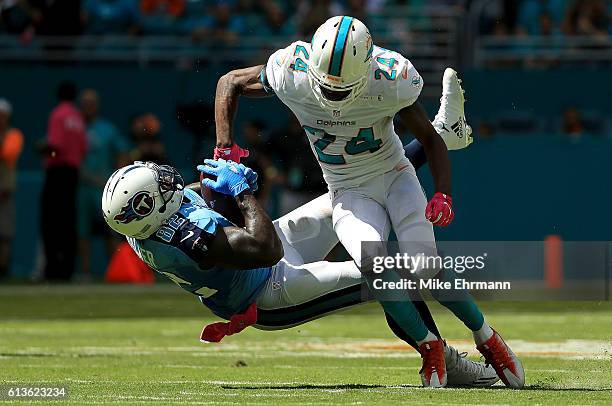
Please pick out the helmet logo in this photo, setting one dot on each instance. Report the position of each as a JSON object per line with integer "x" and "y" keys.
{"x": 139, "y": 206}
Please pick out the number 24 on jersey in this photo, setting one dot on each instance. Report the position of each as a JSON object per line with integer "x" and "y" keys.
{"x": 362, "y": 142}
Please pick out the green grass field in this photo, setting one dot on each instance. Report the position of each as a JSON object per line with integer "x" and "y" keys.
{"x": 140, "y": 345}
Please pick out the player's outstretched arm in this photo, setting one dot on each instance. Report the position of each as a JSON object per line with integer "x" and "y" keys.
{"x": 232, "y": 85}
{"x": 416, "y": 120}
{"x": 439, "y": 209}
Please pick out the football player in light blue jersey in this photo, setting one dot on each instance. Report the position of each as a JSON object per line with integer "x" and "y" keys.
{"x": 173, "y": 230}
{"x": 267, "y": 274}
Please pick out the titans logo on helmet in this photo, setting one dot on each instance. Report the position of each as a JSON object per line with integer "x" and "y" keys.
{"x": 138, "y": 207}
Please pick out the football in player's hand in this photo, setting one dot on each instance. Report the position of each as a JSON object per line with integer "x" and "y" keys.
{"x": 223, "y": 204}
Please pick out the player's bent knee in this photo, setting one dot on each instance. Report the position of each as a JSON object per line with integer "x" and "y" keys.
{"x": 370, "y": 251}
{"x": 426, "y": 272}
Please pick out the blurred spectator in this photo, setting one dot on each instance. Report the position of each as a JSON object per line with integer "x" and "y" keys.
{"x": 572, "y": 123}
{"x": 172, "y": 8}
{"x": 59, "y": 17}
{"x": 65, "y": 150}
{"x": 252, "y": 13}
{"x": 547, "y": 27}
{"x": 222, "y": 25}
{"x": 160, "y": 16}
{"x": 314, "y": 14}
{"x": 303, "y": 178}
{"x": 107, "y": 150}
{"x": 495, "y": 13}
{"x": 110, "y": 16}
{"x": 357, "y": 9}
{"x": 540, "y": 25}
{"x": 275, "y": 20}
{"x": 550, "y": 37}
{"x": 19, "y": 17}
{"x": 500, "y": 29}
{"x": 145, "y": 129}
{"x": 530, "y": 12}
{"x": 587, "y": 17}
{"x": 261, "y": 161}
{"x": 11, "y": 143}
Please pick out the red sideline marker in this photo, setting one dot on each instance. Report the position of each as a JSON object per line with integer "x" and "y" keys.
{"x": 553, "y": 262}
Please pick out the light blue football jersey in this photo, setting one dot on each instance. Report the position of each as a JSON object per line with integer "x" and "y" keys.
{"x": 177, "y": 248}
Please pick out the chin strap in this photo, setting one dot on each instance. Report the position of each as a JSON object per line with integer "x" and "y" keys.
{"x": 214, "y": 333}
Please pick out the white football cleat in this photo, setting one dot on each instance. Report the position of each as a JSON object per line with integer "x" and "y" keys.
{"x": 463, "y": 372}
{"x": 433, "y": 371}
{"x": 450, "y": 121}
{"x": 507, "y": 365}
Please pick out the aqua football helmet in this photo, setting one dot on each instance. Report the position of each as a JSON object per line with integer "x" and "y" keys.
{"x": 341, "y": 53}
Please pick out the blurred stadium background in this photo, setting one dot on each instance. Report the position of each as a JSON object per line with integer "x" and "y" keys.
{"x": 538, "y": 76}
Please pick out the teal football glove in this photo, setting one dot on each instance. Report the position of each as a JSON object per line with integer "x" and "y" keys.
{"x": 230, "y": 177}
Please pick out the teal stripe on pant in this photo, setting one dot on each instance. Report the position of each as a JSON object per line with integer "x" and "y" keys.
{"x": 282, "y": 318}
{"x": 460, "y": 302}
{"x": 398, "y": 305}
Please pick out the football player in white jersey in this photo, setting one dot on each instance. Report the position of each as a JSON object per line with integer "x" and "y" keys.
{"x": 345, "y": 91}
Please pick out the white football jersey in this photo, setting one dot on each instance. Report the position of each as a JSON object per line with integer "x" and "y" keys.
{"x": 358, "y": 142}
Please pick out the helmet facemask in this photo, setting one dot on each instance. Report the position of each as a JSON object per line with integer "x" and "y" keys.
{"x": 340, "y": 59}
{"x": 355, "y": 89}
{"x": 169, "y": 181}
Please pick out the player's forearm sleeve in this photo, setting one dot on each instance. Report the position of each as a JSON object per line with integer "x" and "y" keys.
{"x": 263, "y": 78}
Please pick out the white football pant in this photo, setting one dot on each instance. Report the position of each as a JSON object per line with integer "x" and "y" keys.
{"x": 368, "y": 212}
{"x": 303, "y": 287}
